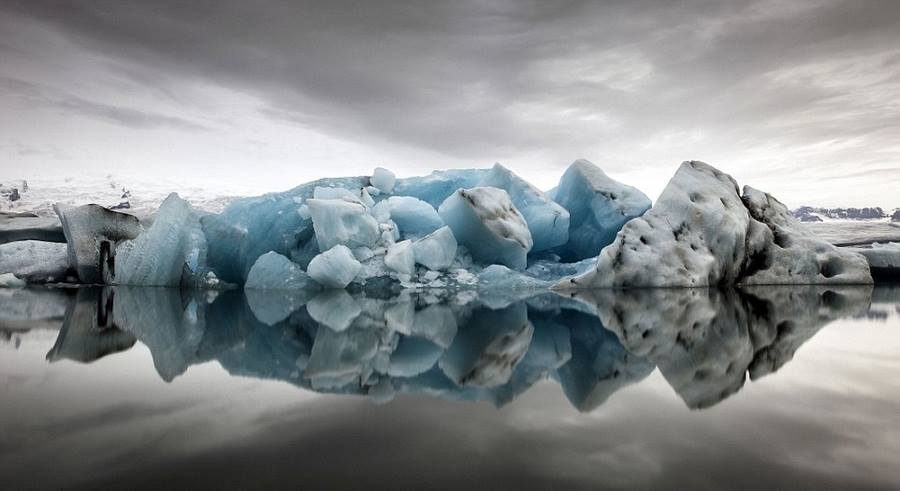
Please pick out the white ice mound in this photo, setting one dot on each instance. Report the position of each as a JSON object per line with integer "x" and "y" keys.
{"x": 336, "y": 221}
{"x": 334, "y": 268}
{"x": 272, "y": 271}
{"x": 92, "y": 234}
{"x": 414, "y": 217}
{"x": 436, "y": 250}
{"x": 383, "y": 180}
{"x": 547, "y": 220}
{"x": 35, "y": 261}
{"x": 484, "y": 220}
{"x": 598, "y": 208}
{"x": 701, "y": 233}
{"x": 172, "y": 248}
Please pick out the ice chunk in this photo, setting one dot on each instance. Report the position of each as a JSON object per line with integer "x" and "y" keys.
{"x": 334, "y": 308}
{"x": 413, "y": 216}
{"x": 598, "y": 208}
{"x": 9, "y": 280}
{"x": 400, "y": 257}
{"x": 92, "y": 234}
{"x": 701, "y": 232}
{"x": 383, "y": 180}
{"x": 35, "y": 261}
{"x": 547, "y": 221}
{"x": 485, "y": 221}
{"x": 883, "y": 259}
{"x": 174, "y": 246}
{"x": 436, "y": 250}
{"x": 272, "y": 271}
{"x": 334, "y": 268}
{"x": 340, "y": 222}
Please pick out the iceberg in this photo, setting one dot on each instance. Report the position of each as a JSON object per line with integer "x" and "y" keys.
{"x": 92, "y": 235}
{"x": 484, "y": 220}
{"x": 272, "y": 271}
{"x": 702, "y": 232}
{"x": 598, "y": 208}
{"x": 334, "y": 268}
{"x": 168, "y": 253}
{"x": 547, "y": 221}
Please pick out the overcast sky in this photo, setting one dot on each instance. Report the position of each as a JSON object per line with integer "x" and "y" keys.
{"x": 799, "y": 98}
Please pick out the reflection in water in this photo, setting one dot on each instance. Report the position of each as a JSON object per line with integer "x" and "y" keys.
{"x": 454, "y": 346}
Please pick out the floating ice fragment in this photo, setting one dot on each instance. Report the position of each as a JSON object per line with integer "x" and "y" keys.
{"x": 341, "y": 222}
{"x": 272, "y": 271}
{"x": 400, "y": 257}
{"x": 92, "y": 234}
{"x": 413, "y": 216}
{"x": 334, "y": 268}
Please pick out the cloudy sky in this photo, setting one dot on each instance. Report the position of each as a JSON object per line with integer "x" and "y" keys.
{"x": 797, "y": 98}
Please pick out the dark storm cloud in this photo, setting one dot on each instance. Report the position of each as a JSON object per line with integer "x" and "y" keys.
{"x": 479, "y": 78}
{"x": 38, "y": 95}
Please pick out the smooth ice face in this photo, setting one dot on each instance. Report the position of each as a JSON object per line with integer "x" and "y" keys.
{"x": 400, "y": 258}
{"x": 598, "y": 208}
{"x": 341, "y": 222}
{"x": 701, "y": 232}
{"x": 334, "y": 268}
{"x": 35, "y": 261}
{"x": 92, "y": 234}
{"x": 383, "y": 180}
{"x": 547, "y": 221}
{"x": 485, "y": 221}
{"x": 172, "y": 249}
{"x": 414, "y": 217}
{"x": 272, "y": 271}
{"x": 436, "y": 250}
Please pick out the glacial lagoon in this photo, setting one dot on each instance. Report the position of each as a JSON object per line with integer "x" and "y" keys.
{"x": 600, "y": 389}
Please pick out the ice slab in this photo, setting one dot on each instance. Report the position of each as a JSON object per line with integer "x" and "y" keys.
{"x": 35, "y": 261}
{"x": 272, "y": 271}
{"x": 92, "y": 234}
{"x": 338, "y": 222}
{"x": 598, "y": 208}
{"x": 414, "y": 217}
{"x": 436, "y": 250}
{"x": 171, "y": 251}
{"x": 484, "y": 220}
{"x": 400, "y": 258}
{"x": 547, "y": 221}
{"x": 334, "y": 268}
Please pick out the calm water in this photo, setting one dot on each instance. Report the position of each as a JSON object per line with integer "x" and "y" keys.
{"x": 676, "y": 389}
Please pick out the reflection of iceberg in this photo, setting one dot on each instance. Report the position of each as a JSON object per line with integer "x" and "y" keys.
{"x": 703, "y": 341}
{"x": 89, "y": 331}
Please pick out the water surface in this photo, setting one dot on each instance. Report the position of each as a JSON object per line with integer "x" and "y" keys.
{"x": 668, "y": 388}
